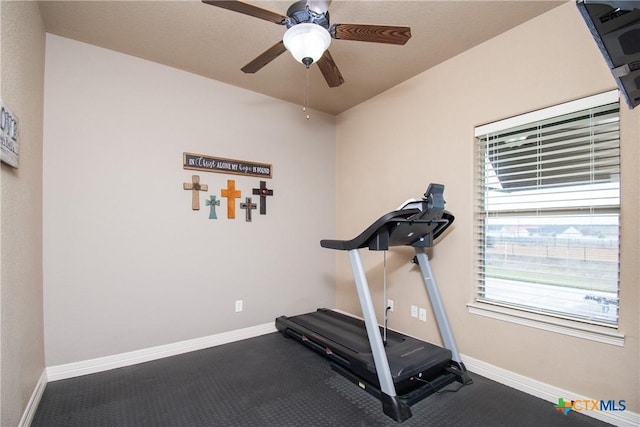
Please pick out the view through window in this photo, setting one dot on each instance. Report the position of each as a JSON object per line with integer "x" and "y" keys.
{"x": 547, "y": 217}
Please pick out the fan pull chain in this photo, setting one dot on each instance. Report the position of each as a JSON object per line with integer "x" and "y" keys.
{"x": 306, "y": 95}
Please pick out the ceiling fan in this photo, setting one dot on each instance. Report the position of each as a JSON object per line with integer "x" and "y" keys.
{"x": 309, "y": 34}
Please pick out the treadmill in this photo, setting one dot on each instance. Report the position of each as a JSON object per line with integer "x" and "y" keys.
{"x": 403, "y": 370}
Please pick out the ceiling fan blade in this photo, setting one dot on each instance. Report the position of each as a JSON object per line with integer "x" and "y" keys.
{"x": 264, "y": 58}
{"x": 330, "y": 70}
{"x": 249, "y": 9}
{"x": 371, "y": 33}
{"x": 318, "y": 6}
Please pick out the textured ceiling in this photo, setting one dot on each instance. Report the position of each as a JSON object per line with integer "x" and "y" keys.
{"x": 216, "y": 43}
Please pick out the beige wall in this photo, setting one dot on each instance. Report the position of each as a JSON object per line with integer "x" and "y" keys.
{"x": 21, "y": 331}
{"x": 391, "y": 147}
{"x": 128, "y": 264}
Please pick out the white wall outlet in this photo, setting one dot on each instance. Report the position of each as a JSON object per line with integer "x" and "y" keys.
{"x": 390, "y": 304}
{"x": 238, "y": 306}
{"x": 414, "y": 311}
{"x": 422, "y": 314}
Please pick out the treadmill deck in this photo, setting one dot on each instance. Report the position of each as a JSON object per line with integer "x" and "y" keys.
{"x": 344, "y": 340}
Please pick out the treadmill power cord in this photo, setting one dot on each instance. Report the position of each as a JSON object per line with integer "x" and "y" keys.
{"x": 426, "y": 382}
{"x": 455, "y": 390}
{"x": 384, "y": 296}
{"x": 384, "y": 340}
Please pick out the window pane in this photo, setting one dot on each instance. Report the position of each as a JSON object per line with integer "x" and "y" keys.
{"x": 548, "y": 215}
{"x": 566, "y": 265}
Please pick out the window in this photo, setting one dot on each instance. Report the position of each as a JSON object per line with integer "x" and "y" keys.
{"x": 547, "y": 211}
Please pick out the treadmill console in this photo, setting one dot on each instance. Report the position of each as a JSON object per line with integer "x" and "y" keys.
{"x": 431, "y": 206}
{"x": 417, "y": 222}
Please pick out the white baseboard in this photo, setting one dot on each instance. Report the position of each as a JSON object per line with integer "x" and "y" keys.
{"x": 547, "y": 392}
{"x": 34, "y": 401}
{"x": 100, "y": 364}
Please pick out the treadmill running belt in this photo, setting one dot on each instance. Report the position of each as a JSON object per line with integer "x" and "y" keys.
{"x": 345, "y": 336}
{"x": 350, "y": 334}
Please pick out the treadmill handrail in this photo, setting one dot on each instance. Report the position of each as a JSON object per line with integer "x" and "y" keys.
{"x": 362, "y": 240}
{"x": 408, "y": 226}
{"x": 377, "y": 235}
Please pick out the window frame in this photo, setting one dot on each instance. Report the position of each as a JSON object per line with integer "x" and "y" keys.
{"x": 584, "y": 328}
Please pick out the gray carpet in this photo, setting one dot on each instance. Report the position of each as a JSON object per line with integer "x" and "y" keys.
{"x": 271, "y": 381}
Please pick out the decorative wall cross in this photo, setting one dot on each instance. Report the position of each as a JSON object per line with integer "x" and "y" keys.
{"x": 195, "y": 187}
{"x": 249, "y": 207}
{"x": 231, "y": 194}
{"x": 263, "y": 191}
{"x": 213, "y": 203}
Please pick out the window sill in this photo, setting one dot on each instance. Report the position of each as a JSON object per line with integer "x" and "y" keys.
{"x": 547, "y": 323}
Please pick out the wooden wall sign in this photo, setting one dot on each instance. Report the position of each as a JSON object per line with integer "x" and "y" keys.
{"x": 200, "y": 162}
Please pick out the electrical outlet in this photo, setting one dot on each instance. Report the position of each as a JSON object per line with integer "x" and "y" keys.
{"x": 390, "y": 304}
{"x": 238, "y": 306}
{"x": 422, "y": 314}
{"x": 414, "y": 311}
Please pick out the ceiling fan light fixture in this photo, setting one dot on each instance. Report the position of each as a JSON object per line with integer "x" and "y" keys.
{"x": 307, "y": 42}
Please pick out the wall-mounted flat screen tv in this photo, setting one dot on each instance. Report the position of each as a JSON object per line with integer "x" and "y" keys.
{"x": 615, "y": 26}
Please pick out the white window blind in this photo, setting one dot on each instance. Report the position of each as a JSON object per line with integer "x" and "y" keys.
{"x": 547, "y": 211}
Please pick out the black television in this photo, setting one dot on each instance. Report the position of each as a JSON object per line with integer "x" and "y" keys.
{"x": 615, "y": 26}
